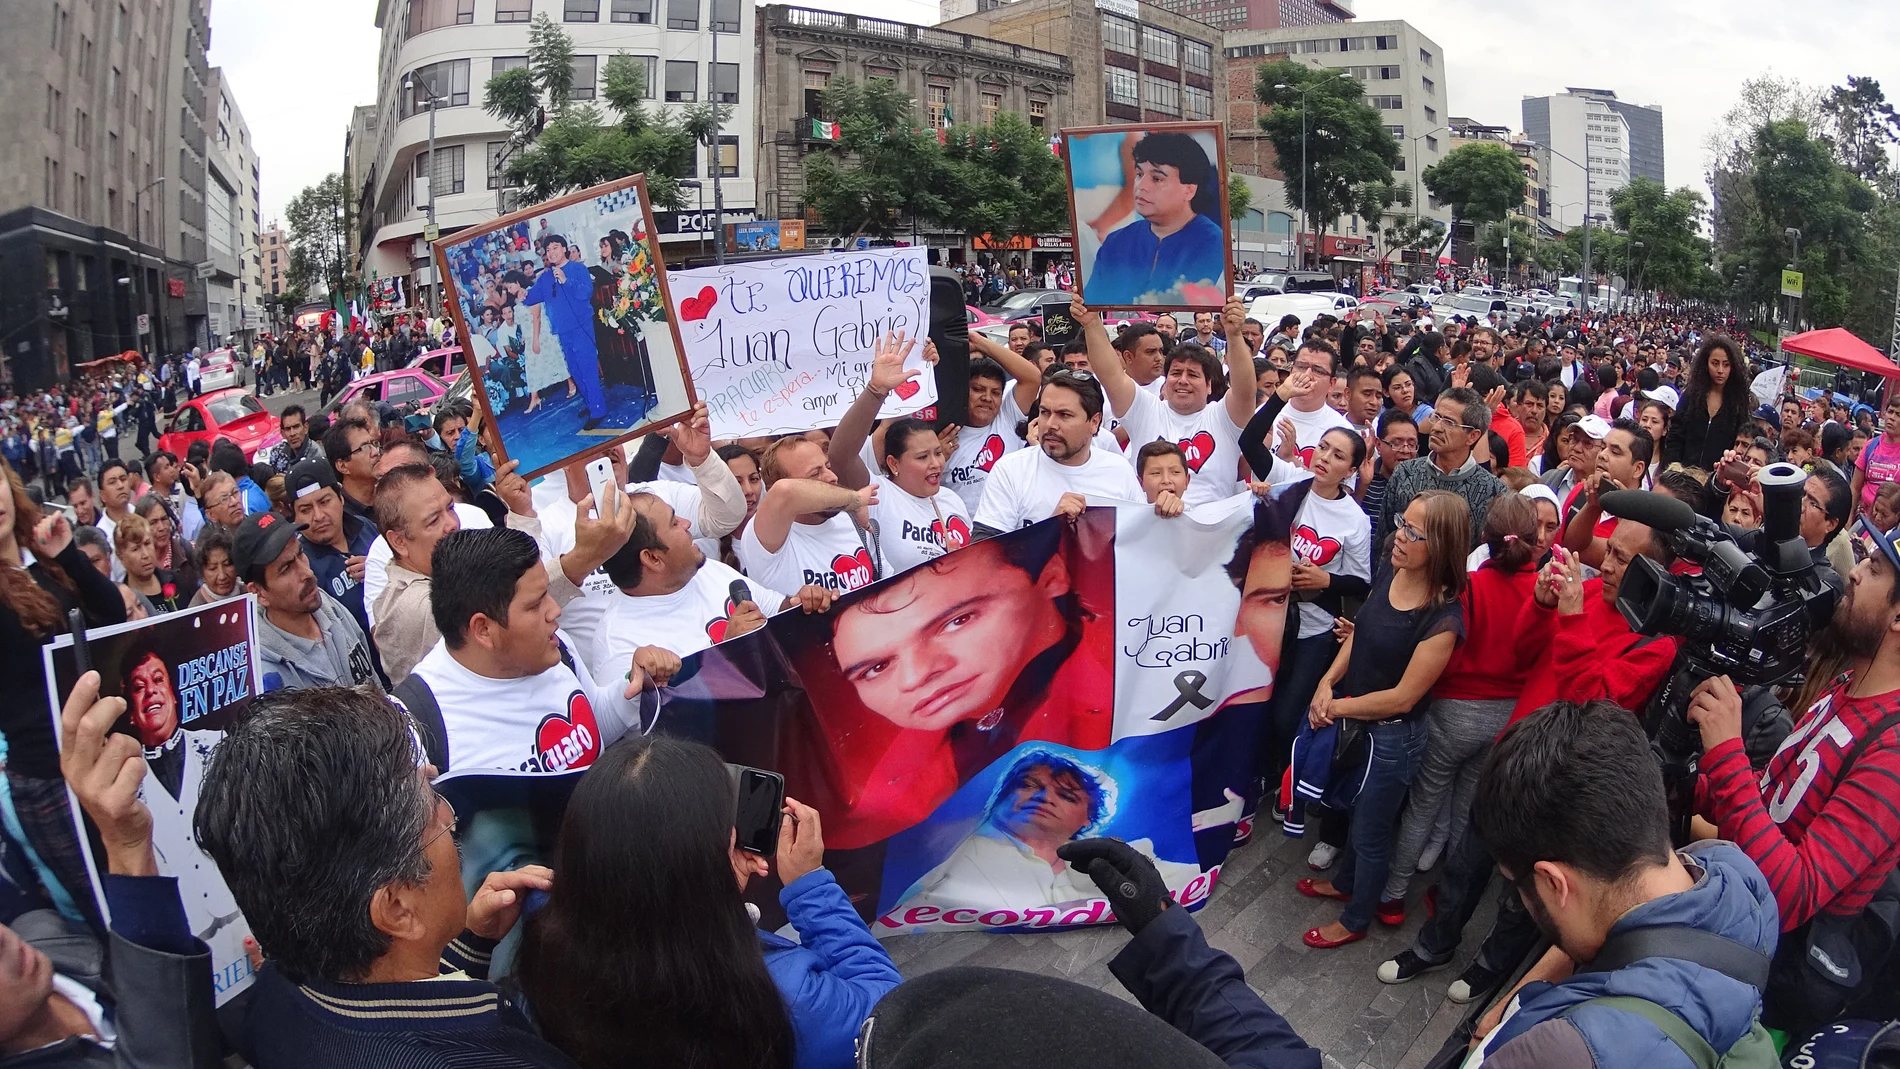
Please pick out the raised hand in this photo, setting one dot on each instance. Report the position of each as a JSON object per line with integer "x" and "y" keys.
{"x": 887, "y": 363}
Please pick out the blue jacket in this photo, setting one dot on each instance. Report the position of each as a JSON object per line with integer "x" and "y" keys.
{"x": 1135, "y": 267}
{"x": 830, "y": 978}
{"x": 332, "y": 568}
{"x": 1202, "y": 992}
{"x": 1731, "y": 898}
{"x": 255, "y": 499}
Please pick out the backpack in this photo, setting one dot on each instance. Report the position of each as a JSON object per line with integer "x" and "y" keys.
{"x": 1755, "y": 1050}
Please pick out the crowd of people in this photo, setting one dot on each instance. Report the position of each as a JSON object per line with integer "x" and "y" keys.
{"x": 1457, "y": 697}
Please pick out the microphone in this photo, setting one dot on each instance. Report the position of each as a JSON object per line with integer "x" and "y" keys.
{"x": 738, "y": 592}
{"x": 1660, "y": 511}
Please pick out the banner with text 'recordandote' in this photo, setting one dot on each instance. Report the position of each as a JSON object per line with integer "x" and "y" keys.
{"x": 957, "y": 723}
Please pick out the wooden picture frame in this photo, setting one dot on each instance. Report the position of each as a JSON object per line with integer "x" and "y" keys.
{"x": 641, "y": 299}
{"x": 1087, "y": 252}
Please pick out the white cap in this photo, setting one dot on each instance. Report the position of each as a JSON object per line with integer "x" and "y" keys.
{"x": 1666, "y": 394}
{"x": 1595, "y": 426}
{"x": 1540, "y": 492}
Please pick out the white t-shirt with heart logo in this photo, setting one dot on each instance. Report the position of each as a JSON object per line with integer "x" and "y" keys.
{"x": 1308, "y": 428}
{"x": 683, "y": 622}
{"x": 1208, "y": 437}
{"x": 1026, "y": 486}
{"x": 912, "y": 530}
{"x": 1337, "y": 536}
{"x": 557, "y": 721}
{"x": 828, "y": 554}
{"x": 979, "y": 448}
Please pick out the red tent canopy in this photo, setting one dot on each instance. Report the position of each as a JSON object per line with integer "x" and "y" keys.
{"x": 1837, "y": 345}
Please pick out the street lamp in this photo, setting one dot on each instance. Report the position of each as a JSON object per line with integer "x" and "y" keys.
{"x": 1793, "y": 234}
{"x": 689, "y": 183}
{"x": 1306, "y": 219}
{"x": 1417, "y": 191}
{"x": 432, "y": 232}
{"x": 1586, "y": 216}
{"x": 138, "y": 274}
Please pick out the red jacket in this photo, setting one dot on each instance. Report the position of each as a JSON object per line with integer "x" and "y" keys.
{"x": 1485, "y": 666}
{"x": 1592, "y": 655}
{"x": 1507, "y": 425}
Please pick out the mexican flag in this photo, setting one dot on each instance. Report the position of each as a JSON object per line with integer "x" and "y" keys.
{"x": 824, "y": 131}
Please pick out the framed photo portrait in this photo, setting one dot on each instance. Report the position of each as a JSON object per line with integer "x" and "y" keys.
{"x": 563, "y": 311}
{"x": 1149, "y": 205}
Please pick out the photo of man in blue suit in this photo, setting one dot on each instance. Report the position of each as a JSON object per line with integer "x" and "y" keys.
{"x": 566, "y": 292}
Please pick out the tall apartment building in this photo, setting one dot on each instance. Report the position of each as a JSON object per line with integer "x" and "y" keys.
{"x": 234, "y": 290}
{"x": 1404, "y": 75}
{"x": 446, "y": 50}
{"x": 1258, "y": 14}
{"x": 274, "y": 256}
{"x": 96, "y": 106}
{"x": 1591, "y": 128}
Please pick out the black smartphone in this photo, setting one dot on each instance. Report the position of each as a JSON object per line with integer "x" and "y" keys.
{"x": 761, "y": 808}
{"x": 1058, "y": 327}
{"x": 82, "y": 653}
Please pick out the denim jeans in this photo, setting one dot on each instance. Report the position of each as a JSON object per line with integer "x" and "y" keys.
{"x": 1397, "y": 749}
{"x": 1467, "y": 872}
{"x": 1301, "y": 666}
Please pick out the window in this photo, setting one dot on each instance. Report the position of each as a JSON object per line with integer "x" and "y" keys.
{"x": 497, "y": 153}
{"x": 586, "y": 68}
{"x": 85, "y": 57}
{"x": 937, "y": 99}
{"x": 1038, "y": 113}
{"x": 125, "y": 22}
{"x": 82, "y": 129}
{"x": 723, "y": 81}
{"x": 682, "y": 78}
{"x": 506, "y": 63}
{"x": 79, "y": 194}
{"x": 1123, "y": 86}
{"x": 1197, "y": 57}
{"x": 1196, "y": 103}
{"x": 1431, "y": 143}
{"x": 117, "y": 89}
{"x": 581, "y": 11}
{"x": 446, "y": 81}
{"x": 1431, "y": 114}
{"x": 1426, "y": 84}
{"x": 445, "y": 177}
{"x": 112, "y": 150}
{"x": 112, "y": 209}
{"x": 992, "y": 103}
{"x": 816, "y": 82}
{"x": 59, "y": 26}
{"x": 682, "y": 15}
{"x": 728, "y": 162}
{"x": 54, "y": 108}
{"x": 1118, "y": 35}
{"x": 725, "y": 16}
{"x": 514, "y": 10}
{"x": 1397, "y": 132}
{"x": 426, "y": 15}
{"x": 59, "y": 188}
{"x": 47, "y": 180}
{"x": 634, "y": 11}
{"x": 1160, "y": 46}
{"x": 1163, "y": 96}
{"x": 1387, "y": 103}
{"x": 1424, "y": 57}
{"x": 649, "y": 67}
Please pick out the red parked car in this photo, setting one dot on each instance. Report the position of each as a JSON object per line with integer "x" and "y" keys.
{"x": 230, "y": 413}
{"x": 411, "y": 387}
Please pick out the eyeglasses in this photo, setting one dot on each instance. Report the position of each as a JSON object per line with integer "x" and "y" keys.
{"x": 1070, "y": 373}
{"x": 1316, "y": 369}
{"x": 1403, "y": 445}
{"x": 223, "y": 500}
{"x": 1409, "y": 532}
{"x": 448, "y": 829}
{"x": 375, "y": 447}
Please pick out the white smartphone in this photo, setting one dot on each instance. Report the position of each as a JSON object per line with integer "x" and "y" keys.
{"x": 600, "y": 476}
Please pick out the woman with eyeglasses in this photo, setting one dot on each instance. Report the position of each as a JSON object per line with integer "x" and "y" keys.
{"x": 646, "y": 953}
{"x": 1395, "y": 650}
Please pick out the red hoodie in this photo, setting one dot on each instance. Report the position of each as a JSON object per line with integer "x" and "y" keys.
{"x": 1485, "y": 666}
{"x": 1592, "y": 655}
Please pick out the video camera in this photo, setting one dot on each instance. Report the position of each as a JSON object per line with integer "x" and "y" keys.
{"x": 1746, "y": 615}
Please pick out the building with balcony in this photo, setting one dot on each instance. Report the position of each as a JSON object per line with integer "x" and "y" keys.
{"x": 446, "y": 50}
{"x": 1591, "y": 128}
{"x": 954, "y": 77}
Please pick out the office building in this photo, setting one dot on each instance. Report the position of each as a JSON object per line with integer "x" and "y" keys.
{"x": 1259, "y": 14}
{"x": 234, "y": 288}
{"x": 446, "y": 50}
{"x": 1590, "y": 128}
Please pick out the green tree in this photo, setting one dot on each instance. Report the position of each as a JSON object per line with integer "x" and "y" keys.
{"x": 1002, "y": 180}
{"x": 1863, "y": 129}
{"x": 1239, "y": 197}
{"x": 558, "y": 145}
{"x": 884, "y": 167}
{"x": 1482, "y": 182}
{"x": 1346, "y": 144}
{"x": 1797, "y": 184}
{"x": 1666, "y": 250}
{"x": 321, "y": 218}
{"x": 1490, "y": 244}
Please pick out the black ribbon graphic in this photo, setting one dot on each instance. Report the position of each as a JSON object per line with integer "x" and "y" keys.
{"x": 1188, "y": 684}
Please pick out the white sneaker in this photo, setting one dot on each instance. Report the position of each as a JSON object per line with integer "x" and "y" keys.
{"x": 1430, "y": 857}
{"x": 1322, "y": 857}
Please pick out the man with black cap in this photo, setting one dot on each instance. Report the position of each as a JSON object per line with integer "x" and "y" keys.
{"x": 305, "y": 638}
{"x": 1203, "y": 1013}
{"x": 336, "y": 541}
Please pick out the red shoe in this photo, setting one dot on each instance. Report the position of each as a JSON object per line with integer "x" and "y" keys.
{"x": 1391, "y": 914}
{"x": 1317, "y": 941}
{"x": 1310, "y": 888}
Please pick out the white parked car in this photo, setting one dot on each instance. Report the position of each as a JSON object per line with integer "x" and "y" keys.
{"x": 217, "y": 371}
{"x": 1307, "y": 306}
{"x": 1468, "y": 306}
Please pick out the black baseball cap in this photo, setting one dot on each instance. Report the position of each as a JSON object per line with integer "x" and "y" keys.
{"x": 309, "y": 476}
{"x": 258, "y": 540}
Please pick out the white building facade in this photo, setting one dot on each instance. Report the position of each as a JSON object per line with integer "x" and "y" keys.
{"x": 455, "y": 46}
{"x": 1582, "y": 128}
{"x": 234, "y": 290}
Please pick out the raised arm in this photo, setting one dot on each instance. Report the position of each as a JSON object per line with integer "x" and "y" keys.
{"x": 789, "y": 499}
{"x": 1104, "y": 360}
{"x": 887, "y": 373}
{"x": 1240, "y": 377}
{"x": 1027, "y": 375}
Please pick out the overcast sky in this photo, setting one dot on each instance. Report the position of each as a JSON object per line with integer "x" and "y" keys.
{"x": 296, "y": 78}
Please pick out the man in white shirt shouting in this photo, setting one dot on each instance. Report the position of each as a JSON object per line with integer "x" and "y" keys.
{"x": 1208, "y": 434}
{"x": 808, "y": 529}
{"x": 1065, "y": 473}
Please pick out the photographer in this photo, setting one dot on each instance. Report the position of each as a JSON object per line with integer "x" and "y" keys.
{"x": 1821, "y": 822}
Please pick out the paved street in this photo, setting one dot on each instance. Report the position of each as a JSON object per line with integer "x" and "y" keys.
{"x": 1333, "y": 998}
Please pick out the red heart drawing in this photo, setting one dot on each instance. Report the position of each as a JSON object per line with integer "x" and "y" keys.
{"x": 698, "y": 307}
{"x": 991, "y": 452}
{"x": 571, "y": 741}
{"x": 716, "y": 629}
{"x": 957, "y": 533}
{"x": 1198, "y": 449}
{"x": 854, "y": 570}
{"x": 908, "y": 389}
{"x": 1307, "y": 543}
{"x": 1306, "y": 456}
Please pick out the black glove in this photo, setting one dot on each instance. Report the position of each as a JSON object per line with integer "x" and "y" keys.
{"x": 1128, "y": 879}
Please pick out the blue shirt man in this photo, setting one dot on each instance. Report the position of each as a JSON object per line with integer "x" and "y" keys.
{"x": 566, "y": 291}
{"x": 1176, "y": 242}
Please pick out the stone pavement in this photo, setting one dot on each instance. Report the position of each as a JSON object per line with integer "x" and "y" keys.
{"x": 1333, "y": 998}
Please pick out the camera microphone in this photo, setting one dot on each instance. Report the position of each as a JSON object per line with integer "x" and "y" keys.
{"x": 1660, "y": 511}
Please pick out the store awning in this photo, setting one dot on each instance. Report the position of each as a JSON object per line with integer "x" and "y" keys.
{"x": 1837, "y": 345}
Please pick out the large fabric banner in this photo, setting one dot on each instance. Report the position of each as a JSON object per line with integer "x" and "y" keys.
{"x": 784, "y": 345}
{"x": 955, "y": 724}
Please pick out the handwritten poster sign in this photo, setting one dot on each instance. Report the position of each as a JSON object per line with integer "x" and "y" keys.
{"x": 782, "y": 346}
